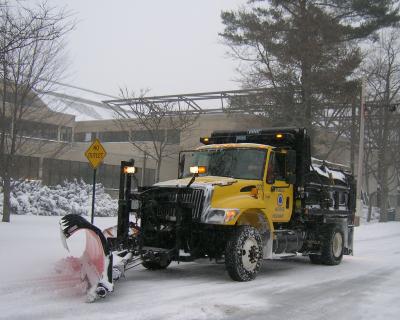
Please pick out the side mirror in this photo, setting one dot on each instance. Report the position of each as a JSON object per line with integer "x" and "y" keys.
{"x": 291, "y": 167}
{"x": 270, "y": 169}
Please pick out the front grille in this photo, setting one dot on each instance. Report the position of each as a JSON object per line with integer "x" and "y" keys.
{"x": 167, "y": 200}
{"x": 195, "y": 199}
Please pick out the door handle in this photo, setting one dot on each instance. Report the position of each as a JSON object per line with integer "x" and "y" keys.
{"x": 280, "y": 187}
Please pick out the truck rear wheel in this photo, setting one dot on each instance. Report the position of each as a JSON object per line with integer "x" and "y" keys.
{"x": 243, "y": 254}
{"x": 332, "y": 244}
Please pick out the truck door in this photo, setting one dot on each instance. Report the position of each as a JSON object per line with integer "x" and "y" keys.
{"x": 278, "y": 192}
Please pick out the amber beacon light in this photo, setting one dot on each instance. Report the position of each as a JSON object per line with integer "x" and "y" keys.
{"x": 205, "y": 140}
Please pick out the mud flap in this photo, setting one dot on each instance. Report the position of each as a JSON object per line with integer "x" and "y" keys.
{"x": 350, "y": 239}
{"x": 96, "y": 260}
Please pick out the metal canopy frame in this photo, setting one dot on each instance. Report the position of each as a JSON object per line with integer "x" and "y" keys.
{"x": 195, "y": 100}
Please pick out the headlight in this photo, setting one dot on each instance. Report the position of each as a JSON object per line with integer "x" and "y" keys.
{"x": 129, "y": 169}
{"x": 198, "y": 170}
{"x": 220, "y": 216}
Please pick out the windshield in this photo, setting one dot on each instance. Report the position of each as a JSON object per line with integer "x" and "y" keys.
{"x": 237, "y": 163}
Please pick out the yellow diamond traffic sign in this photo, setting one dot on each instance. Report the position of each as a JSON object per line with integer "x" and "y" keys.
{"x": 95, "y": 153}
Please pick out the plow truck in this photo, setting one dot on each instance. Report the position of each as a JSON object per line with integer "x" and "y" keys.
{"x": 241, "y": 198}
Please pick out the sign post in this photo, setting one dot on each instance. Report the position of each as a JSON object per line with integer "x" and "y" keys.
{"x": 95, "y": 154}
{"x": 93, "y": 195}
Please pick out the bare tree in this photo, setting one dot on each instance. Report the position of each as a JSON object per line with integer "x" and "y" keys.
{"x": 154, "y": 126}
{"x": 383, "y": 70}
{"x": 31, "y": 52}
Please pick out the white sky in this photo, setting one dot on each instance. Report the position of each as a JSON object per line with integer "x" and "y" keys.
{"x": 168, "y": 46}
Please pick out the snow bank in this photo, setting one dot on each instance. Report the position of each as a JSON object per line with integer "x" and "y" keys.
{"x": 31, "y": 197}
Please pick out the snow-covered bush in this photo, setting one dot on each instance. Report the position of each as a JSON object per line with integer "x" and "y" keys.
{"x": 375, "y": 214}
{"x": 31, "y": 197}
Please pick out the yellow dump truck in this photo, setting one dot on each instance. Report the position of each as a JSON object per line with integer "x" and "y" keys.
{"x": 241, "y": 198}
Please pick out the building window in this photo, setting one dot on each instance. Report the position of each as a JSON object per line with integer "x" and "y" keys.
{"x": 37, "y": 130}
{"x": 5, "y": 124}
{"x": 114, "y": 136}
{"x": 144, "y": 135}
{"x": 66, "y": 134}
{"x": 84, "y": 136}
{"x": 79, "y": 136}
{"x": 173, "y": 136}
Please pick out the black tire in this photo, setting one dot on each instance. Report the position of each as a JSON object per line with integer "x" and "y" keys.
{"x": 332, "y": 245}
{"x": 156, "y": 265}
{"x": 244, "y": 254}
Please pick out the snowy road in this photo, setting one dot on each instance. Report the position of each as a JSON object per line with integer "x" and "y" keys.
{"x": 366, "y": 286}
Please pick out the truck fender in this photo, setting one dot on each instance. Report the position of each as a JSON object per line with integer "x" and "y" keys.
{"x": 257, "y": 218}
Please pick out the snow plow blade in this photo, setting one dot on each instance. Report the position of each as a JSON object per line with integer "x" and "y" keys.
{"x": 96, "y": 262}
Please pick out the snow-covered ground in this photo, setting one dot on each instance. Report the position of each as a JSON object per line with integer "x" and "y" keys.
{"x": 365, "y": 286}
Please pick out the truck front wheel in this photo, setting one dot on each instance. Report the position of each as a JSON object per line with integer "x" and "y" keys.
{"x": 243, "y": 254}
{"x": 332, "y": 244}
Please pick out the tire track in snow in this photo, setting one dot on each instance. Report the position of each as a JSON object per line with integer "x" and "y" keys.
{"x": 333, "y": 299}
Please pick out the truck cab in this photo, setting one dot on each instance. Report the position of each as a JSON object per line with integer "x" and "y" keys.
{"x": 246, "y": 176}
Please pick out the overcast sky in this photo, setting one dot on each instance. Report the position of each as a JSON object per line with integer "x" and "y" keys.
{"x": 168, "y": 46}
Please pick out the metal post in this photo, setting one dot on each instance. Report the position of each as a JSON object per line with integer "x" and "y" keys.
{"x": 94, "y": 194}
{"x": 360, "y": 156}
{"x": 124, "y": 201}
{"x": 144, "y": 169}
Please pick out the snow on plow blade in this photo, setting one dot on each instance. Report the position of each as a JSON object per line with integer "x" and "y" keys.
{"x": 95, "y": 264}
